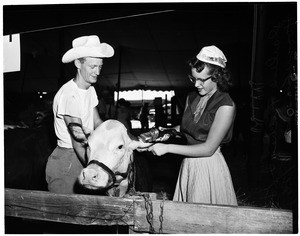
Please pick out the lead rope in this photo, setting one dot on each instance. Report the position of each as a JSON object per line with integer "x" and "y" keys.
{"x": 131, "y": 178}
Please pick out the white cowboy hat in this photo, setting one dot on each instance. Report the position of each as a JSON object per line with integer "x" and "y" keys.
{"x": 212, "y": 55}
{"x": 87, "y": 46}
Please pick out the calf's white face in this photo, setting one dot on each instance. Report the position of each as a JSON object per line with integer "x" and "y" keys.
{"x": 110, "y": 145}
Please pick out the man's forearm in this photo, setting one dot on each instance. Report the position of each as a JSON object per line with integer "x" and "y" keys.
{"x": 80, "y": 151}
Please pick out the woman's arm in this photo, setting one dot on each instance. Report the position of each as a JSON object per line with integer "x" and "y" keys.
{"x": 221, "y": 124}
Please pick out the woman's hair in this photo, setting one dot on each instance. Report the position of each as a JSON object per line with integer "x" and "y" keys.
{"x": 221, "y": 76}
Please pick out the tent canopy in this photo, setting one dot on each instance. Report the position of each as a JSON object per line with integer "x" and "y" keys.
{"x": 152, "y": 42}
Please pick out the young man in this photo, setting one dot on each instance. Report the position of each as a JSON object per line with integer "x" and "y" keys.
{"x": 75, "y": 101}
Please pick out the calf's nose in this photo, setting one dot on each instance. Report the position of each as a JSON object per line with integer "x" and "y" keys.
{"x": 89, "y": 176}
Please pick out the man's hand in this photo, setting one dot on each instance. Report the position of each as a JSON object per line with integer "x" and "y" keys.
{"x": 87, "y": 131}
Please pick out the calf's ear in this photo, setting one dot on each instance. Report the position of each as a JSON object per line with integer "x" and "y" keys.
{"x": 77, "y": 132}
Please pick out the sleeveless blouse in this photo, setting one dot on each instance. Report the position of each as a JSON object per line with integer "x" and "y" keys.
{"x": 197, "y": 132}
{"x": 204, "y": 179}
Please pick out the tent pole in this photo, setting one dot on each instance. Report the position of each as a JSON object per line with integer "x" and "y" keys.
{"x": 61, "y": 77}
{"x": 119, "y": 74}
{"x": 257, "y": 97}
{"x": 166, "y": 107}
{"x": 119, "y": 82}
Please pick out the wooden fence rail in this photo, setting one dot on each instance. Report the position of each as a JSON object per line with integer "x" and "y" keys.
{"x": 171, "y": 217}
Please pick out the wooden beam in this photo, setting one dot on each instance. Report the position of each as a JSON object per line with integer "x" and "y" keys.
{"x": 65, "y": 208}
{"x": 189, "y": 218}
{"x": 177, "y": 217}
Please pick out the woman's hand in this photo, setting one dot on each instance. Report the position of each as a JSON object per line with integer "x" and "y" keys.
{"x": 158, "y": 149}
{"x": 139, "y": 146}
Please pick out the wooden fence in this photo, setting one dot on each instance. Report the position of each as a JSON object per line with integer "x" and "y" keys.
{"x": 165, "y": 216}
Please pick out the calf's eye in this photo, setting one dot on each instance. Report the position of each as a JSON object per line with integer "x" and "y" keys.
{"x": 121, "y": 146}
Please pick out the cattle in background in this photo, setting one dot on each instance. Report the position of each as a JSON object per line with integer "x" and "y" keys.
{"x": 29, "y": 139}
{"x": 26, "y": 151}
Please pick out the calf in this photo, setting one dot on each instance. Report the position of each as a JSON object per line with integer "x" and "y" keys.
{"x": 110, "y": 158}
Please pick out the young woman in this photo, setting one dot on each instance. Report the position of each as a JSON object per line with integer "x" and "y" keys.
{"x": 207, "y": 123}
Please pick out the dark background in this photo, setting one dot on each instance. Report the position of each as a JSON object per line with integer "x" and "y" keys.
{"x": 152, "y": 43}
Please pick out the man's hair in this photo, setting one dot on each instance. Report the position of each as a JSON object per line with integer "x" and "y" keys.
{"x": 82, "y": 60}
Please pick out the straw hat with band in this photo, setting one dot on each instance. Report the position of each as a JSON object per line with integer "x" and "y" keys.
{"x": 212, "y": 55}
{"x": 87, "y": 46}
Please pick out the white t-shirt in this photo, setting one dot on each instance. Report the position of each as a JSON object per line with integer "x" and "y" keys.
{"x": 73, "y": 101}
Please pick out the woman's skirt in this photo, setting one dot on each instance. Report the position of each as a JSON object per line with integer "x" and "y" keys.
{"x": 205, "y": 180}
